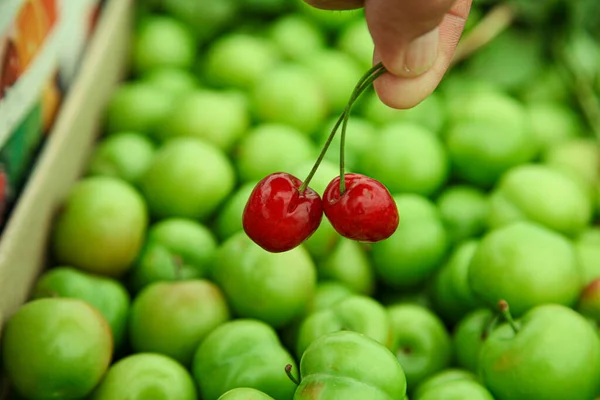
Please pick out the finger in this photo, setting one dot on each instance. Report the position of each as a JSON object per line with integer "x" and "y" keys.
{"x": 402, "y": 92}
{"x": 335, "y": 4}
{"x": 406, "y": 33}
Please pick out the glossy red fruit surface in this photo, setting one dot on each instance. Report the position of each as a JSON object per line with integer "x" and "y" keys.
{"x": 365, "y": 212}
{"x": 277, "y": 216}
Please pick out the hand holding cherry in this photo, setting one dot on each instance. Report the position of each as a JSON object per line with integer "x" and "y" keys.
{"x": 282, "y": 211}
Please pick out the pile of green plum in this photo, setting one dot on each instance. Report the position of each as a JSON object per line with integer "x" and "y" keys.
{"x": 489, "y": 287}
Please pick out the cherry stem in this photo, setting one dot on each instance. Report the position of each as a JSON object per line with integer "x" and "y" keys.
{"x": 363, "y": 85}
{"x": 288, "y": 372}
{"x": 360, "y": 87}
{"x": 505, "y": 311}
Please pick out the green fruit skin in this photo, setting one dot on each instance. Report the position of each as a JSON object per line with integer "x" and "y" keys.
{"x": 321, "y": 243}
{"x": 243, "y": 353}
{"x": 101, "y": 227}
{"x": 354, "y": 313}
{"x": 289, "y": 94}
{"x": 146, "y": 376}
{"x": 408, "y": 158}
{"x": 279, "y": 293}
{"x": 555, "y": 355}
{"x": 296, "y": 37}
{"x": 229, "y": 218}
{"x": 137, "y": 106}
{"x": 525, "y": 264}
{"x": 56, "y": 348}
{"x": 589, "y": 301}
{"x": 451, "y": 294}
{"x": 417, "y": 248}
{"x": 173, "y": 80}
{"x": 107, "y": 295}
{"x": 349, "y": 365}
{"x": 468, "y": 336}
{"x": 191, "y": 242}
{"x": 173, "y": 318}
{"x": 442, "y": 378}
{"x": 587, "y": 245}
{"x": 218, "y": 117}
{"x": 162, "y": 41}
{"x": 244, "y": 394}
{"x": 348, "y": 263}
{"x": 259, "y": 152}
{"x": 464, "y": 211}
{"x": 421, "y": 342}
{"x": 457, "y": 390}
{"x": 122, "y": 155}
{"x": 541, "y": 194}
{"x": 187, "y": 178}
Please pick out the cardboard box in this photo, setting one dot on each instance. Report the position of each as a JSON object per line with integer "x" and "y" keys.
{"x": 23, "y": 244}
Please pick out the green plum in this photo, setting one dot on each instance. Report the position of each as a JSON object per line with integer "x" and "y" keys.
{"x": 417, "y": 248}
{"x": 527, "y": 265}
{"x": 123, "y": 155}
{"x": 589, "y": 300}
{"x": 242, "y": 353}
{"x": 56, "y": 348}
{"x": 101, "y": 226}
{"x": 543, "y": 195}
{"x": 187, "y": 178}
{"x": 325, "y": 19}
{"x": 421, "y": 342}
{"x": 244, "y": 393}
{"x": 176, "y": 81}
{"x": 587, "y": 245}
{"x": 552, "y": 352}
{"x": 107, "y": 295}
{"x": 456, "y": 387}
{"x": 451, "y": 293}
{"x": 137, "y": 106}
{"x": 289, "y": 94}
{"x": 175, "y": 248}
{"x": 464, "y": 210}
{"x": 146, "y": 376}
{"x": 348, "y": 263}
{"x": 443, "y": 377}
{"x": 295, "y": 36}
{"x": 219, "y": 117}
{"x": 355, "y": 313}
{"x": 469, "y": 335}
{"x": 579, "y": 157}
{"x": 552, "y": 122}
{"x": 407, "y": 158}
{"x": 337, "y": 72}
{"x": 327, "y": 293}
{"x": 326, "y": 172}
{"x": 173, "y": 318}
{"x": 281, "y": 283}
{"x": 349, "y": 365}
{"x": 229, "y": 218}
{"x": 222, "y": 60}
{"x": 161, "y": 41}
{"x": 321, "y": 243}
{"x": 481, "y": 151}
{"x": 259, "y": 153}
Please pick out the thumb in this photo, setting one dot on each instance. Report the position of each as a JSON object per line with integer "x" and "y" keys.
{"x": 406, "y": 33}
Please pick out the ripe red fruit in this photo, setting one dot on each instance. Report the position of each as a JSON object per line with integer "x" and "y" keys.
{"x": 365, "y": 211}
{"x": 277, "y": 216}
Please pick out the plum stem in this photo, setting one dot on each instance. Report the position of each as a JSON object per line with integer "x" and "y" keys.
{"x": 288, "y": 372}
{"x": 360, "y": 87}
{"x": 505, "y": 311}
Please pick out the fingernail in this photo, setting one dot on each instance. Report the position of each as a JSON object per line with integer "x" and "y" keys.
{"x": 421, "y": 54}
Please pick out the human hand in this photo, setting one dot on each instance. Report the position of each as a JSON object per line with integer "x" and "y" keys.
{"x": 414, "y": 39}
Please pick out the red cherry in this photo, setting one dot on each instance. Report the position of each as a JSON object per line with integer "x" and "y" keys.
{"x": 365, "y": 211}
{"x": 277, "y": 216}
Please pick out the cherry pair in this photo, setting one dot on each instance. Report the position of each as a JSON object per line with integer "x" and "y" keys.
{"x": 282, "y": 211}
{"x": 279, "y": 216}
